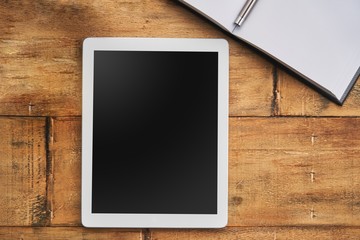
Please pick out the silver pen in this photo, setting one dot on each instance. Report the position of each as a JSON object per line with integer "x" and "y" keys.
{"x": 244, "y": 12}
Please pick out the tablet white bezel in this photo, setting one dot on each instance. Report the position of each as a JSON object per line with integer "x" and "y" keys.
{"x": 90, "y": 219}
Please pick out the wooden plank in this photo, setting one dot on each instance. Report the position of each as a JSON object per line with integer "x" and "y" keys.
{"x": 296, "y": 98}
{"x": 80, "y": 19}
{"x": 74, "y": 233}
{"x": 264, "y": 233}
{"x": 78, "y": 233}
{"x": 40, "y": 56}
{"x": 65, "y": 149}
{"x": 40, "y": 77}
{"x": 23, "y": 172}
{"x": 293, "y": 171}
{"x": 251, "y": 83}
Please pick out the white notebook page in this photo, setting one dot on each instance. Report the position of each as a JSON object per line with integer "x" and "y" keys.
{"x": 318, "y": 39}
{"x": 222, "y": 12}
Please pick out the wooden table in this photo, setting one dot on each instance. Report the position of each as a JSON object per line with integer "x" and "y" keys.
{"x": 294, "y": 156}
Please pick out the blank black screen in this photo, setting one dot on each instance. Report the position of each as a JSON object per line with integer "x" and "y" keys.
{"x": 155, "y": 132}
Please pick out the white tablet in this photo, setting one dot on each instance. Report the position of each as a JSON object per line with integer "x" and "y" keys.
{"x": 155, "y": 133}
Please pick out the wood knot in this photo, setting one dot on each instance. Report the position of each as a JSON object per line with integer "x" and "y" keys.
{"x": 236, "y": 201}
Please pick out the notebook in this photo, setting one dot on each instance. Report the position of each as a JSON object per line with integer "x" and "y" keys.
{"x": 317, "y": 40}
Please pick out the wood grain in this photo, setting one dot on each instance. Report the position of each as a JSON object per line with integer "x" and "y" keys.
{"x": 293, "y": 171}
{"x": 40, "y": 57}
{"x": 289, "y": 177}
{"x": 267, "y": 233}
{"x": 251, "y": 83}
{"x": 65, "y": 154}
{"x": 278, "y": 176}
{"x": 296, "y": 98}
{"x": 23, "y": 172}
{"x": 40, "y": 77}
{"x": 74, "y": 233}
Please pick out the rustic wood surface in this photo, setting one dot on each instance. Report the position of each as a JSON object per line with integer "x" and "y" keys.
{"x": 293, "y": 157}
